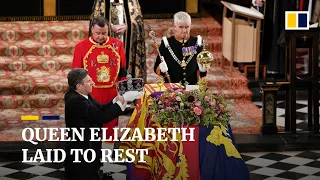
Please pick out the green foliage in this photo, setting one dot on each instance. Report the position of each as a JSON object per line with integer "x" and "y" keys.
{"x": 202, "y": 107}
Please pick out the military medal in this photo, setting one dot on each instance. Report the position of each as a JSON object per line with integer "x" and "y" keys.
{"x": 115, "y": 46}
{"x": 184, "y": 53}
{"x": 183, "y": 63}
{"x": 187, "y": 51}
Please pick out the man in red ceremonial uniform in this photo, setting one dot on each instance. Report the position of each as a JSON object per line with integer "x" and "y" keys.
{"x": 104, "y": 58}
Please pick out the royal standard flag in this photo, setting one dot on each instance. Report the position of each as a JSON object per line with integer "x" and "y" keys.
{"x": 211, "y": 156}
{"x": 297, "y": 20}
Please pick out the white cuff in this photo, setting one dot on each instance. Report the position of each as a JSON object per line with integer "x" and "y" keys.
{"x": 122, "y": 106}
{"x": 114, "y": 100}
{"x": 203, "y": 70}
{"x": 254, "y": 3}
{"x": 199, "y": 40}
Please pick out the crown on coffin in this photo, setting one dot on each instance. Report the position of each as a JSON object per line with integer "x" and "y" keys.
{"x": 130, "y": 84}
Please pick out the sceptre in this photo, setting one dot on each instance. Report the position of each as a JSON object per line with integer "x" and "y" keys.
{"x": 153, "y": 35}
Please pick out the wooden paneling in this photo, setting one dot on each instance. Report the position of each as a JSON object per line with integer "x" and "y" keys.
{"x": 192, "y": 6}
{"x": 49, "y": 8}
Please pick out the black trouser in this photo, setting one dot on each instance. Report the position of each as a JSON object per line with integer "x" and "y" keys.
{"x": 82, "y": 170}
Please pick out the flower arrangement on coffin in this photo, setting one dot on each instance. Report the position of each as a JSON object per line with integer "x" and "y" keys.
{"x": 196, "y": 107}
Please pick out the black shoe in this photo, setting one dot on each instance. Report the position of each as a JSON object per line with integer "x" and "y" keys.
{"x": 107, "y": 176}
{"x": 100, "y": 173}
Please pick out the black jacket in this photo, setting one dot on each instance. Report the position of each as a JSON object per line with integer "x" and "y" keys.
{"x": 85, "y": 113}
{"x": 175, "y": 71}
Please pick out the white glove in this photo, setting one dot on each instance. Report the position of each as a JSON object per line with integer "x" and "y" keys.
{"x": 115, "y": 99}
{"x": 163, "y": 66}
{"x": 203, "y": 68}
{"x": 132, "y": 95}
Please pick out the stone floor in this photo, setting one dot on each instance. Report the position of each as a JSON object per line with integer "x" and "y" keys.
{"x": 302, "y": 165}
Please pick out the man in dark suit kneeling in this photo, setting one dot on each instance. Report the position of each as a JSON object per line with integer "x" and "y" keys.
{"x": 82, "y": 111}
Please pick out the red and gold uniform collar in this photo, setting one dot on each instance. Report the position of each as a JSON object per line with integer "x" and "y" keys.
{"x": 95, "y": 43}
